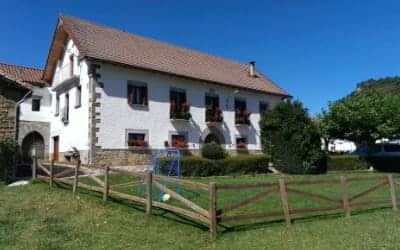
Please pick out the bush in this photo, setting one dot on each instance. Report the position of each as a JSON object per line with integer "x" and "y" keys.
{"x": 213, "y": 151}
{"x": 347, "y": 162}
{"x": 235, "y": 165}
{"x": 292, "y": 139}
{"x": 8, "y": 153}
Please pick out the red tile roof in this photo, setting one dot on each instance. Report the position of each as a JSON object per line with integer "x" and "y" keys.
{"x": 23, "y": 74}
{"x": 111, "y": 45}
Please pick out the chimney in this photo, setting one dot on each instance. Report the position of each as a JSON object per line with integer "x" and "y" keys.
{"x": 252, "y": 66}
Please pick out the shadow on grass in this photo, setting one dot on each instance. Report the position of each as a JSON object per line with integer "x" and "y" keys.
{"x": 224, "y": 228}
{"x": 138, "y": 207}
{"x": 303, "y": 219}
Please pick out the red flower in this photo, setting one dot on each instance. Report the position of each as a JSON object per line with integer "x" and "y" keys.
{"x": 137, "y": 143}
{"x": 176, "y": 143}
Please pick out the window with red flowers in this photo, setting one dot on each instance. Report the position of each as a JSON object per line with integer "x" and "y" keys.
{"x": 137, "y": 94}
{"x": 179, "y": 107}
{"x": 137, "y": 140}
{"x": 242, "y": 116}
{"x": 213, "y": 111}
{"x": 178, "y": 141}
{"x": 241, "y": 143}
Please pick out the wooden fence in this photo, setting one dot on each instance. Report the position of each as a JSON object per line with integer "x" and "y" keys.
{"x": 213, "y": 215}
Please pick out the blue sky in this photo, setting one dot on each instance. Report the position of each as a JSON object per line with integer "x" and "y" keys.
{"x": 316, "y": 50}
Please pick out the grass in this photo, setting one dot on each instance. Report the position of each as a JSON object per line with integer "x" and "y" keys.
{"x": 37, "y": 217}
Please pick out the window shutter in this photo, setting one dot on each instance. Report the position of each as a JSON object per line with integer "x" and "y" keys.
{"x": 144, "y": 96}
{"x": 130, "y": 96}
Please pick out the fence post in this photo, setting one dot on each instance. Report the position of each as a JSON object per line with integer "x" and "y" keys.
{"x": 284, "y": 199}
{"x": 392, "y": 192}
{"x": 106, "y": 183}
{"x": 34, "y": 167}
{"x": 213, "y": 209}
{"x": 149, "y": 189}
{"x": 74, "y": 188}
{"x": 345, "y": 197}
{"x": 51, "y": 173}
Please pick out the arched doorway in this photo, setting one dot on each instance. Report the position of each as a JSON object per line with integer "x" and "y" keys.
{"x": 212, "y": 135}
{"x": 32, "y": 144}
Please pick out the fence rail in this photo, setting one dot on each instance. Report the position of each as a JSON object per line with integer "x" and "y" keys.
{"x": 214, "y": 215}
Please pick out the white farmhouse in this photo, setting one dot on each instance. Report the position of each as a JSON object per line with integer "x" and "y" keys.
{"x": 117, "y": 96}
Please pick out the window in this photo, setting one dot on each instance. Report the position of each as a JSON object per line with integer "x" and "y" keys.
{"x": 242, "y": 116}
{"x": 213, "y": 111}
{"x": 178, "y": 141}
{"x": 137, "y": 95}
{"x": 179, "y": 107}
{"x": 78, "y": 97}
{"x": 137, "y": 140}
{"x": 65, "y": 115}
{"x": 36, "y": 104}
{"x": 57, "y": 105}
{"x": 264, "y": 106}
{"x": 241, "y": 143}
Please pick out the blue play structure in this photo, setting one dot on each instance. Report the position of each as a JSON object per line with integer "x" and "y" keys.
{"x": 169, "y": 166}
{"x": 172, "y": 167}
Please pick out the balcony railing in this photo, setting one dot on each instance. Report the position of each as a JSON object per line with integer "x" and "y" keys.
{"x": 65, "y": 73}
{"x": 180, "y": 111}
{"x": 214, "y": 115}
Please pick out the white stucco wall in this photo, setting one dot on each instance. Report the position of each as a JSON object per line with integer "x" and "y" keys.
{"x": 75, "y": 132}
{"x": 117, "y": 116}
{"x": 26, "y": 113}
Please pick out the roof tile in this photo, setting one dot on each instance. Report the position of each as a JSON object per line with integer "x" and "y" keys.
{"x": 29, "y": 75}
{"x": 112, "y": 45}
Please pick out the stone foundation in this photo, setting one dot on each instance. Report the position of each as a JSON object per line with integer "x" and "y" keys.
{"x": 123, "y": 157}
{"x": 62, "y": 157}
{"x": 134, "y": 157}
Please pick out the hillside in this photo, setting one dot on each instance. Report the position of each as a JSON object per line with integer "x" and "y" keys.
{"x": 387, "y": 84}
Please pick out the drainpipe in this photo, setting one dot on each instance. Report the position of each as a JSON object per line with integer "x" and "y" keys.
{"x": 17, "y": 106}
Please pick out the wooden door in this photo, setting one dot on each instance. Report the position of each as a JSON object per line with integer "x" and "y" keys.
{"x": 56, "y": 142}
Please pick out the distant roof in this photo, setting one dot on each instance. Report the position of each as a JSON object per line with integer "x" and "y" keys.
{"x": 101, "y": 43}
{"x": 22, "y": 74}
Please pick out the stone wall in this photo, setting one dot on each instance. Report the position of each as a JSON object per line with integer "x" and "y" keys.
{"x": 9, "y": 96}
{"x": 123, "y": 157}
{"x": 131, "y": 157}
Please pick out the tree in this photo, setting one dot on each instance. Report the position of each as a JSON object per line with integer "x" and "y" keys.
{"x": 371, "y": 112}
{"x": 292, "y": 139}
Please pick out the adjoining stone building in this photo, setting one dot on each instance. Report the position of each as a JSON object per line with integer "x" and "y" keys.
{"x": 11, "y": 92}
{"x": 24, "y": 97}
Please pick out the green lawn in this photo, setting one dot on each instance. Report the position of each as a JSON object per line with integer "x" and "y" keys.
{"x": 37, "y": 217}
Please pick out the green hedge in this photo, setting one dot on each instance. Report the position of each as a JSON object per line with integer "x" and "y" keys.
{"x": 346, "y": 162}
{"x": 213, "y": 151}
{"x": 234, "y": 165}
